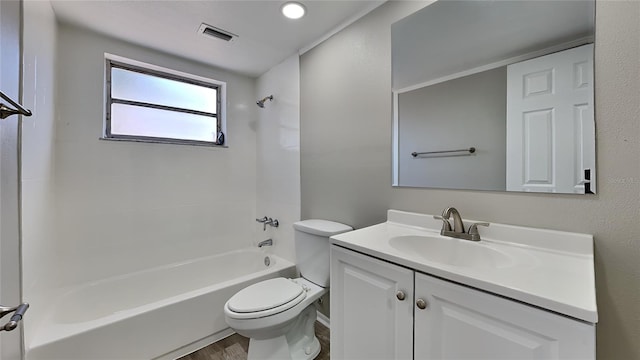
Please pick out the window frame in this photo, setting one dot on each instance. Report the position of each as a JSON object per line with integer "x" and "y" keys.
{"x": 113, "y": 61}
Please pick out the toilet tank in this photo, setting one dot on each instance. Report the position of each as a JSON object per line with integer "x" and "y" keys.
{"x": 312, "y": 248}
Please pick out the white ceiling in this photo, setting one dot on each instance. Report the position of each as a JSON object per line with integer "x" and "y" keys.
{"x": 265, "y": 37}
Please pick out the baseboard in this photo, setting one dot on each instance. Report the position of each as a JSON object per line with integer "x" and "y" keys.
{"x": 324, "y": 320}
{"x": 196, "y": 345}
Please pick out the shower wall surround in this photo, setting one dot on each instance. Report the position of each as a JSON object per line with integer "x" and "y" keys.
{"x": 278, "y": 154}
{"x": 346, "y": 156}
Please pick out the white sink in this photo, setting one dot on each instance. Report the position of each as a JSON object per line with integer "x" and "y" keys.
{"x": 450, "y": 251}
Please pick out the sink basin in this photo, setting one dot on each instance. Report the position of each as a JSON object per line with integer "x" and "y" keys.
{"x": 450, "y": 251}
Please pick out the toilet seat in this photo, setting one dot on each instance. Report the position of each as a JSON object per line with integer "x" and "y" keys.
{"x": 265, "y": 298}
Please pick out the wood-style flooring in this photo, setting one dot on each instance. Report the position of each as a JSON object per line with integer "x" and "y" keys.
{"x": 235, "y": 347}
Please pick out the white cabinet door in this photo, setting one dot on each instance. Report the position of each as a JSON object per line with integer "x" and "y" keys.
{"x": 368, "y": 319}
{"x": 550, "y": 125}
{"x": 463, "y": 323}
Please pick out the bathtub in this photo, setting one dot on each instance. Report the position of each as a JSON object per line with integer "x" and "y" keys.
{"x": 159, "y": 313}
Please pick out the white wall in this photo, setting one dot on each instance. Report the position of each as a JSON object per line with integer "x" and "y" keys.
{"x": 278, "y": 154}
{"x": 345, "y": 94}
{"x": 39, "y": 250}
{"x": 140, "y": 205}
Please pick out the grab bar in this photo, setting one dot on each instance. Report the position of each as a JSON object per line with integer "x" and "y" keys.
{"x": 5, "y": 111}
{"x": 470, "y": 150}
{"x": 17, "y": 316}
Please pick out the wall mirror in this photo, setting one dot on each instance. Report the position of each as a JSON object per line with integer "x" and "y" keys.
{"x": 495, "y": 95}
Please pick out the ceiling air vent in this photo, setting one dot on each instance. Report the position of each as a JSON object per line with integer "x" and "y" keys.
{"x": 212, "y": 31}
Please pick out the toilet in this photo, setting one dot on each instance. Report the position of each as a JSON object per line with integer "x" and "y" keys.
{"x": 278, "y": 315}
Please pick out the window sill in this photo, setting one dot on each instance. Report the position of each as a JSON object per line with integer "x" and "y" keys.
{"x": 166, "y": 141}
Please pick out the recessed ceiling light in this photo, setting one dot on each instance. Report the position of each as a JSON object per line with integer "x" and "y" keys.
{"x": 293, "y": 10}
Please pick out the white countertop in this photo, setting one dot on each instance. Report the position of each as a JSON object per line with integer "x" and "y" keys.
{"x": 550, "y": 269}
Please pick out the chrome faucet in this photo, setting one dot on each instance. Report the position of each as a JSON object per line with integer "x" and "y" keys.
{"x": 268, "y": 242}
{"x": 268, "y": 221}
{"x": 272, "y": 222}
{"x": 458, "y": 226}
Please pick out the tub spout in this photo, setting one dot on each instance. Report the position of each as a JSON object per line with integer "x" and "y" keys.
{"x": 268, "y": 242}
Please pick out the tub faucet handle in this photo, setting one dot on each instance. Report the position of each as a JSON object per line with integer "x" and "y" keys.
{"x": 268, "y": 221}
{"x": 271, "y": 222}
{"x": 264, "y": 221}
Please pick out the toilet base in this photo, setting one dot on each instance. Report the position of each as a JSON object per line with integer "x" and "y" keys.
{"x": 298, "y": 343}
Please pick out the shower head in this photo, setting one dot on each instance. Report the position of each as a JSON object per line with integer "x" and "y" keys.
{"x": 260, "y": 103}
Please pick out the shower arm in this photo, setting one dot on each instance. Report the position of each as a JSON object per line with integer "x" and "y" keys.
{"x": 260, "y": 103}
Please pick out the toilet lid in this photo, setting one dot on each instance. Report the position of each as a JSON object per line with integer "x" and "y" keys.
{"x": 265, "y": 295}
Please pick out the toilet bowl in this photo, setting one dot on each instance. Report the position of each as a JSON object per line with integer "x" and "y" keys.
{"x": 278, "y": 315}
{"x": 278, "y": 311}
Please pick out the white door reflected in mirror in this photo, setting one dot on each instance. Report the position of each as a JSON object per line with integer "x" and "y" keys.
{"x": 550, "y": 122}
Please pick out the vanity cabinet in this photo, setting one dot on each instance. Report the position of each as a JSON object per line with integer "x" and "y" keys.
{"x": 380, "y": 310}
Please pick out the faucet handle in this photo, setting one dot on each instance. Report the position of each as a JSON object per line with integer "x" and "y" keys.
{"x": 473, "y": 230}
{"x": 446, "y": 226}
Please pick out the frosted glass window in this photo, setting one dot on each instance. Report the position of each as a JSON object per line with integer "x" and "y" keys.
{"x": 150, "y": 105}
{"x": 131, "y": 85}
{"x": 142, "y": 121}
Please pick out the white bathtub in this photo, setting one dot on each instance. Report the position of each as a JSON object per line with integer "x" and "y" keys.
{"x": 152, "y": 313}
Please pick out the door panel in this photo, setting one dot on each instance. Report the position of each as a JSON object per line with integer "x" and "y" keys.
{"x": 538, "y": 147}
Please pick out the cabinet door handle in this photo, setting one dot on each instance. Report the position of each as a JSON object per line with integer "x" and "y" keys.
{"x": 400, "y": 295}
{"x": 421, "y": 304}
